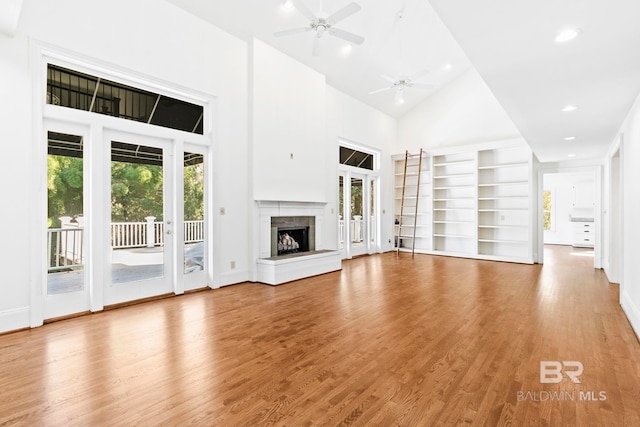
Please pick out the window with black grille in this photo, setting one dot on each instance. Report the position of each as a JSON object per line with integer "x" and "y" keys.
{"x": 351, "y": 157}
{"x": 73, "y": 89}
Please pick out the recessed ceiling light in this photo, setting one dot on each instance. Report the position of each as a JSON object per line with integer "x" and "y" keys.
{"x": 570, "y": 107}
{"x": 571, "y": 155}
{"x": 567, "y": 35}
{"x": 346, "y": 49}
{"x": 287, "y": 4}
{"x": 447, "y": 67}
{"x": 569, "y": 138}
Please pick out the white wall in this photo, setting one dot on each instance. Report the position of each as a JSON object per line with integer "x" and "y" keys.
{"x": 356, "y": 122}
{"x": 152, "y": 39}
{"x": 463, "y": 112}
{"x": 630, "y": 283}
{"x": 570, "y": 190}
{"x": 288, "y": 128}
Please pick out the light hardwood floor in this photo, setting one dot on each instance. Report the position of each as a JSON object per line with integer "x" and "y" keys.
{"x": 387, "y": 341}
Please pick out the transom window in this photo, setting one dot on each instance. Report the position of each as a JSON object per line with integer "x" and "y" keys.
{"x": 73, "y": 89}
{"x": 358, "y": 159}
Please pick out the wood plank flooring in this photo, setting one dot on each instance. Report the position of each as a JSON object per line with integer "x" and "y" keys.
{"x": 387, "y": 341}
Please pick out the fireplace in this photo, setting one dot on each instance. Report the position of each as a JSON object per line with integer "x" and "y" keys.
{"x": 273, "y": 219}
{"x": 292, "y": 240}
{"x": 292, "y": 235}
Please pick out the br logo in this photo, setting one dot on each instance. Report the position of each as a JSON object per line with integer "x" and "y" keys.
{"x": 553, "y": 372}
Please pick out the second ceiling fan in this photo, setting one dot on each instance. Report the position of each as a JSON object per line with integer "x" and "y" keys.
{"x": 322, "y": 24}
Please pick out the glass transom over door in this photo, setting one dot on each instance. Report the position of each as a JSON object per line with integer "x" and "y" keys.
{"x": 140, "y": 244}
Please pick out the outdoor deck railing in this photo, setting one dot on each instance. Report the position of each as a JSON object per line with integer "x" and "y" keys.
{"x": 66, "y": 250}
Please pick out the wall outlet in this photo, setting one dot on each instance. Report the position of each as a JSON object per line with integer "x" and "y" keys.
{"x": 233, "y": 265}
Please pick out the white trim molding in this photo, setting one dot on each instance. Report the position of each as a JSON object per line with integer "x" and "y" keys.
{"x": 17, "y": 318}
{"x": 632, "y": 311}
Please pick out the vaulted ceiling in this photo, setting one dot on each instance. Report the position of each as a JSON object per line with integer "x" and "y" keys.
{"x": 510, "y": 43}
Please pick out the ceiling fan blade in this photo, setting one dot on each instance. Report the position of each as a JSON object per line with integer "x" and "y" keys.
{"x": 292, "y": 32}
{"x": 343, "y": 13}
{"x": 345, "y": 35}
{"x": 303, "y": 9}
{"x": 421, "y": 86}
{"x": 388, "y": 78}
{"x": 419, "y": 74}
{"x": 380, "y": 90}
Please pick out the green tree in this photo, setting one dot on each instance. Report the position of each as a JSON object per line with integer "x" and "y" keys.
{"x": 64, "y": 188}
{"x": 136, "y": 192}
{"x": 194, "y": 192}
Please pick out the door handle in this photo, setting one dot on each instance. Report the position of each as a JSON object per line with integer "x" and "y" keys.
{"x": 168, "y": 231}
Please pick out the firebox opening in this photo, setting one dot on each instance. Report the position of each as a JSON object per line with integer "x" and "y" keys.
{"x": 293, "y": 240}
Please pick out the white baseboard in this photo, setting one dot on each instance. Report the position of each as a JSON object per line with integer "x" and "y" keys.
{"x": 17, "y": 318}
{"x": 232, "y": 277}
{"x": 632, "y": 312}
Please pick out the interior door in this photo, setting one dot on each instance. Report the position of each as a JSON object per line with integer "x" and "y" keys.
{"x": 66, "y": 286}
{"x": 140, "y": 239}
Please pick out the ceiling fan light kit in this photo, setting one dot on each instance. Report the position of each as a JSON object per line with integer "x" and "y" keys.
{"x": 322, "y": 25}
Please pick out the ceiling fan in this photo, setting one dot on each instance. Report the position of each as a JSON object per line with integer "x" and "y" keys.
{"x": 404, "y": 82}
{"x": 322, "y": 24}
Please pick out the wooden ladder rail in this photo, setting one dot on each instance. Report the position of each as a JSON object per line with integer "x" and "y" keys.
{"x": 404, "y": 185}
{"x": 415, "y": 216}
{"x": 407, "y": 156}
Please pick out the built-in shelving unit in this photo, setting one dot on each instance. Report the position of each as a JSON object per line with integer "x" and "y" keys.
{"x": 423, "y": 211}
{"x": 480, "y": 204}
{"x": 454, "y": 202}
{"x": 504, "y": 208}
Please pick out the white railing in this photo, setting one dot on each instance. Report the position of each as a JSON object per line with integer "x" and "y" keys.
{"x": 356, "y": 227}
{"x": 65, "y": 248}
{"x": 193, "y": 231}
{"x": 65, "y": 245}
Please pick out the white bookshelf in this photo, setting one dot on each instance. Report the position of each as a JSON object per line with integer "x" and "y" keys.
{"x": 504, "y": 203}
{"x": 423, "y": 229}
{"x": 454, "y": 202}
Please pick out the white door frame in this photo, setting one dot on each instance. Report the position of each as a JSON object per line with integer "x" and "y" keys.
{"x": 42, "y": 54}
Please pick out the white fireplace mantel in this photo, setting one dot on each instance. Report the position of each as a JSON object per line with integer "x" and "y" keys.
{"x": 275, "y": 271}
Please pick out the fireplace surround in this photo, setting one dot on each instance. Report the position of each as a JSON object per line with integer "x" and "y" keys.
{"x": 309, "y": 259}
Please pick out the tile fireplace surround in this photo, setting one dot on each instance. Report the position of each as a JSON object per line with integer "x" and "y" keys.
{"x": 275, "y": 270}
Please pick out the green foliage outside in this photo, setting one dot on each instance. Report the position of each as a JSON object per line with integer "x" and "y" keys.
{"x": 547, "y": 209}
{"x": 194, "y": 192}
{"x": 64, "y": 188}
{"x": 136, "y": 190}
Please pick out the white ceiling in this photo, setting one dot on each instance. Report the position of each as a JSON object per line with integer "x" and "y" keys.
{"x": 393, "y": 46}
{"x": 510, "y": 43}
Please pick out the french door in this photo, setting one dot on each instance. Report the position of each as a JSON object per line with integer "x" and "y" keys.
{"x": 358, "y": 220}
{"x": 139, "y": 238}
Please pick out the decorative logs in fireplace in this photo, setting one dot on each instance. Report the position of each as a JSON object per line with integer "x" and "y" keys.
{"x": 293, "y": 240}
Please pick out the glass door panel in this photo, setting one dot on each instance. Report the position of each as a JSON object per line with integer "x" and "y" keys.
{"x": 357, "y": 218}
{"x": 140, "y": 228}
{"x": 194, "y": 230}
{"x": 341, "y": 213}
{"x": 137, "y": 211}
{"x": 65, "y": 222}
{"x": 65, "y": 287}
